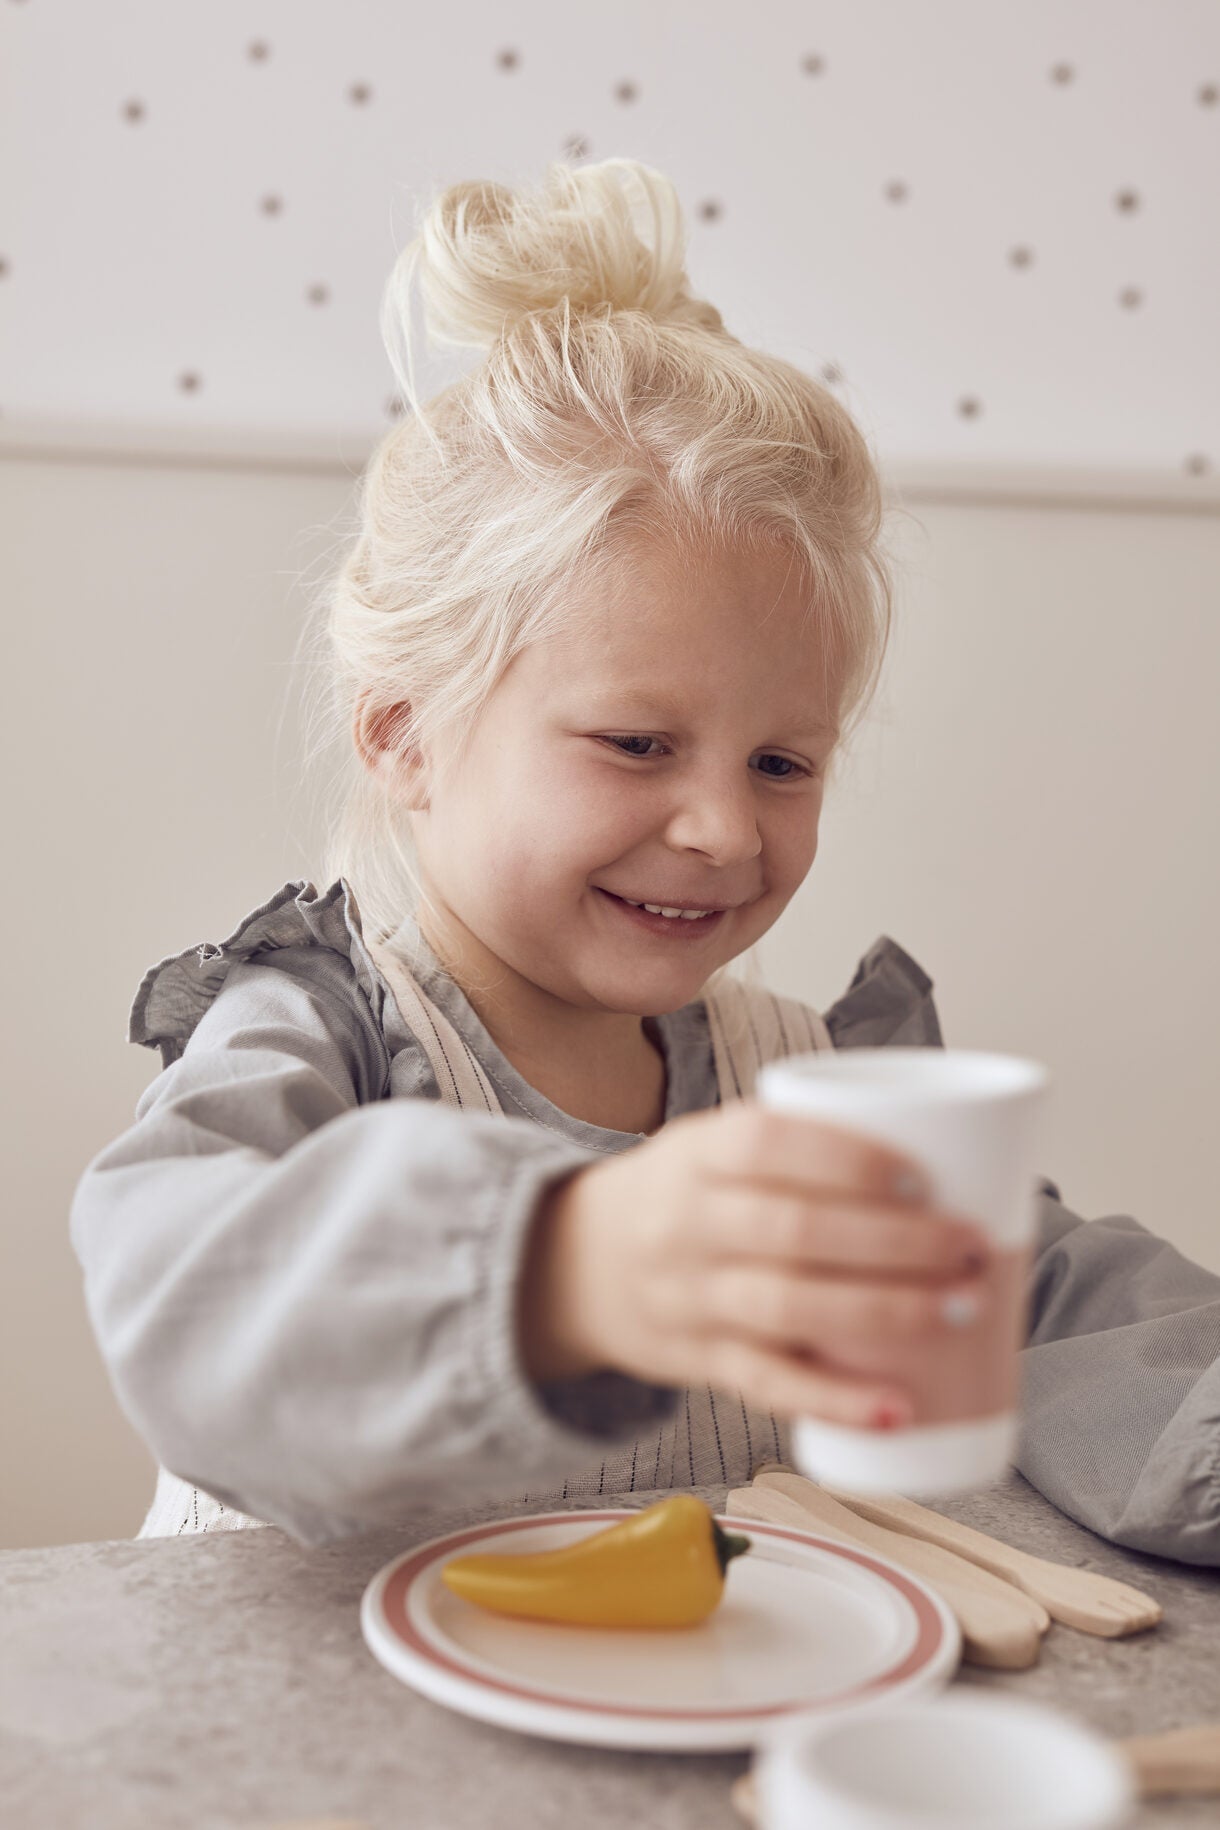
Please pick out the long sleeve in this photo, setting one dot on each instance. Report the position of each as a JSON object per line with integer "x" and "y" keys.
{"x": 305, "y": 1292}
{"x": 1120, "y": 1375}
{"x": 1120, "y": 1388}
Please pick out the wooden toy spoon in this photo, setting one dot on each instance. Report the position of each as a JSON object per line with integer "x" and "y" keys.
{"x": 1078, "y": 1597}
{"x": 1181, "y": 1761}
{"x": 1001, "y": 1626}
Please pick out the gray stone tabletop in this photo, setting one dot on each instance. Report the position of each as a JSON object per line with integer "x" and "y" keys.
{"x": 222, "y": 1683}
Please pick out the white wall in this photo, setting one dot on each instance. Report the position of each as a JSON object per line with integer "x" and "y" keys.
{"x": 1031, "y": 814}
{"x": 148, "y": 797}
{"x": 989, "y": 227}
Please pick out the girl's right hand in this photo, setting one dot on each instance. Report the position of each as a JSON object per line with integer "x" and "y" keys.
{"x": 747, "y": 1249}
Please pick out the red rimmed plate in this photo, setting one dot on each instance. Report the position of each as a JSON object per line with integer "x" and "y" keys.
{"x": 806, "y": 1624}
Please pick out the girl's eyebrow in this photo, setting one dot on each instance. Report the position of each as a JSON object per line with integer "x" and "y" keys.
{"x": 672, "y": 711}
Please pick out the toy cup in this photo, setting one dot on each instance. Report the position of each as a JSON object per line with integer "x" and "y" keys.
{"x": 972, "y": 1120}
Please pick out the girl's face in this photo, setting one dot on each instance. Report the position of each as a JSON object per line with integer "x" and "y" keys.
{"x": 668, "y": 749}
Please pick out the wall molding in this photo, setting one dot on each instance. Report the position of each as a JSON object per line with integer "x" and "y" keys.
{"x": 337, "y": 453}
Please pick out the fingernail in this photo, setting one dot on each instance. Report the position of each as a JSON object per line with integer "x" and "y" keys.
{"x": 890, "y": 1417}
{"x": 960, "y": 1308}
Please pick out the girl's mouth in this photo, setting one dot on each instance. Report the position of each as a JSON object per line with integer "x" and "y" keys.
{"x": 672, "y": 927}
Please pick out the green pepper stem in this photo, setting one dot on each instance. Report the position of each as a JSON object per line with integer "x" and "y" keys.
{"x": 729, "y": 1544}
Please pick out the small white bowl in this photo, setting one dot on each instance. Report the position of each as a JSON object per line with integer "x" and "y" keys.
{"x": 963, "y": 1760}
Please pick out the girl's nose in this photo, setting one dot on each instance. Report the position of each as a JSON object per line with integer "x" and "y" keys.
{"x": 717, "y": 819}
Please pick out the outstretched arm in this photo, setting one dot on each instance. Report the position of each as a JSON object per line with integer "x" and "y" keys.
{"x": 305, "y": 1293}
{"x": 1121, "y": 1385}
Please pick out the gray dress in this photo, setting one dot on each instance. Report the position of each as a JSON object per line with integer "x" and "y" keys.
{"x": 301, "y": 1262}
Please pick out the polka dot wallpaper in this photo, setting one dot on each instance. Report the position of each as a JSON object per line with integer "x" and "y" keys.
{"x": 992, "y": 230}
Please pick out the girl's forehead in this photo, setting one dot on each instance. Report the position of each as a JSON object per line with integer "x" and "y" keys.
{"x": 670, "y": 684}
{"x": 659, "y": 644}
{"x": 681, "y": 628}
{"x": 658, "y": 606}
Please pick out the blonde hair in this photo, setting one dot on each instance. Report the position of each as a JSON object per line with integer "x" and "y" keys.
{"x": 609, "y": 402}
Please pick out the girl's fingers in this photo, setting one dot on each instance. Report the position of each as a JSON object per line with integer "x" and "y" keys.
{"x": 798, "y": 1313}
{"x": 799, "y": 1388}
{"x": 755, "y": 1142}
{"x": 837, "y": 1233}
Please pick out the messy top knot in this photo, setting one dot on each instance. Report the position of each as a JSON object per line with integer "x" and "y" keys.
{"x": 610, "y": 406}
{"x": 488, "y": 256}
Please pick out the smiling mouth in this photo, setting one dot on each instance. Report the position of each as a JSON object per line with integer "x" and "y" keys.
{"x": 686, "y": 925}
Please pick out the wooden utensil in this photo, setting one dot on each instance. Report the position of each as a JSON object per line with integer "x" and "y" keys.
{"x": 1078, "y": 1597}
{"x": 1181, "y": 1761}
{"x": 1001, "y": 1626}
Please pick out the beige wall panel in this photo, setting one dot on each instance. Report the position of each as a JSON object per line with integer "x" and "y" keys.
{"x": 1031, "y": 812}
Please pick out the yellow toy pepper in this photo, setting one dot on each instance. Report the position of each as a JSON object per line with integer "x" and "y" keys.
{"x": 663, "y": 1567}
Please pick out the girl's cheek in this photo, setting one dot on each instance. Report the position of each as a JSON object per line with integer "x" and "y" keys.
{"x": 606, "y": 799}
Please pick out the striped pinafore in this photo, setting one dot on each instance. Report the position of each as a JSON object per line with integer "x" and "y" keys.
{"x": 712, "y": 1436}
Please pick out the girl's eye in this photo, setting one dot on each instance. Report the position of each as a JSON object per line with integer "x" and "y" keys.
{"x": 619, "y": 741}
{"x": 790, "y": 768}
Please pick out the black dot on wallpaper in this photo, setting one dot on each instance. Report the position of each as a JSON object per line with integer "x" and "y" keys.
{"x": 1021, "y": 257}
{"x": 1127, "y": 200}
{"x": 1062, "y": 73}
{"x": 970, "y": 408}
{"x": 1130, "y": 297}
{"x": 395, "y": 407}
{"x": 318, "y": 295}
{"x": 133, "y": 111}
{"x": 359, "y": 93}
{"x": 897, "y": 191}
{"x": 508, "y": 60}
{"x": 626, "y": 92}
{"x": 271, "y": 206}
{"x": 4, "y": 267}
{"x": 813, "y": 65}
{"x": 1209, "y": 95}
{"x": 259, "y": 51}
{"x": 832, "y": 374}
{"x": 190, "y": 383}
{"x": 576, "y": 146}
{"x": 710, "y": 210}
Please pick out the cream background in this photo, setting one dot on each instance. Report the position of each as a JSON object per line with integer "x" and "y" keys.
{"x": 1031, "y": 813}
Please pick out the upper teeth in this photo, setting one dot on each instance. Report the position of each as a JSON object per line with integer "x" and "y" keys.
{"x": 684, "y": 914}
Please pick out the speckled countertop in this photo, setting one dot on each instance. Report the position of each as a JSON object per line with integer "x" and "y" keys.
{"x": 221, "y": 1683}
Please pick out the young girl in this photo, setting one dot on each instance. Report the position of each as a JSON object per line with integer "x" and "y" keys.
{"x": 451, "y": 1186}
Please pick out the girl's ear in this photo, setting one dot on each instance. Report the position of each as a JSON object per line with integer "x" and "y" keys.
{"x": 377, "y": 734}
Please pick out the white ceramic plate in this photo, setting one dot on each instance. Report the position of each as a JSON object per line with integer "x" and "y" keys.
{"x": 804, "y": 1624}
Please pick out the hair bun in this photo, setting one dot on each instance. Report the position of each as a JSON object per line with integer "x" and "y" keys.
{"x": 488, "y": 256}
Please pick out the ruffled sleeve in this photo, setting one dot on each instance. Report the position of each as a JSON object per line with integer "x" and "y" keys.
{"x": 888, "y": 1003}
{"x": 174, "y": 994}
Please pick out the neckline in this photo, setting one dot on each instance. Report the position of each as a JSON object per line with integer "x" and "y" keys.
{"x": 408, "y": 943}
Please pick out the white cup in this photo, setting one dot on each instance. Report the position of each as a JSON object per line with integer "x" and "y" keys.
{"x": 973, "y": 1122}
{"x": 965, "y": 1760}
